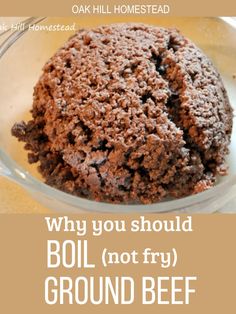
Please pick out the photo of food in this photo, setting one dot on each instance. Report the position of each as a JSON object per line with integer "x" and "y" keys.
{"x": 117, "y": 157}
{"x": 121, "y": 116}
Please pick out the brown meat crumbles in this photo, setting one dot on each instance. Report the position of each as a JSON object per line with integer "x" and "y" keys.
{"x": 129, "y": 113}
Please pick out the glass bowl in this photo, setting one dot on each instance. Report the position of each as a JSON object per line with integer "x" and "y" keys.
{"x": 23, "y": 54}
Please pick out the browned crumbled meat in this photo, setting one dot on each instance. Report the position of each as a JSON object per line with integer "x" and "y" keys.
{"x": 129, "y": 113}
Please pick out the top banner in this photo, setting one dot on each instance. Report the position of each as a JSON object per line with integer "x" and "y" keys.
{"x": 99, "y": 7}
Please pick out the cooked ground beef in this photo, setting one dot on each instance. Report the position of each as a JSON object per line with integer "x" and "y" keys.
{"x": 129, "y": 113}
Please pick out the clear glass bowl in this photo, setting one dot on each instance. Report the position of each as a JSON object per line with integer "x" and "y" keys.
{"x": 23, "y": 54}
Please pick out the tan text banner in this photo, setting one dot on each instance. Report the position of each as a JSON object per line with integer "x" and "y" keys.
{"x": 204, "y": 247}
{"x": 64, "y": 8}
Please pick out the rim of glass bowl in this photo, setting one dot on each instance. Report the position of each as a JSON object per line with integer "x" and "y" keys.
{"x": 11, "y": 170}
